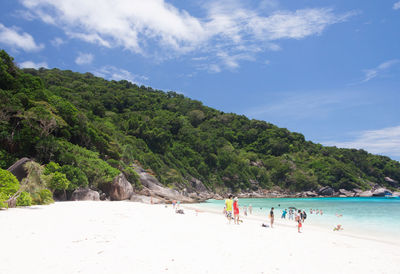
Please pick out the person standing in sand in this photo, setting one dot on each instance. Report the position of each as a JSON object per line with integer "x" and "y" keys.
{"x": 298, "y": 220}
{"x": 284, "y": 212}
{"x": 245, "y": 210}
{"x": 290, "y": 214}
{"x": 271, "y": 217}
{"x": 236, "y": 211}
{"x": 303, "y": 216}
{"x": 250, "y": 209}
{"x": 228, "y": 206}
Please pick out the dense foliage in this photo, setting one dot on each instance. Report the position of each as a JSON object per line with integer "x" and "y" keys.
{"x": 9, "y": 185}
{"x": 93, "y": 129}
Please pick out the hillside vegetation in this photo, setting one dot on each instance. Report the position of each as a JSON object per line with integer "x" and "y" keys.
{"x": 89, "y": 129}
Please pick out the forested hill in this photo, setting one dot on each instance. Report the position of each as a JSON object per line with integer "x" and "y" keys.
{"x": 92, "y": 128}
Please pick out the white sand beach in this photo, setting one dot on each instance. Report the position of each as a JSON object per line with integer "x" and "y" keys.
{"x": 127, "y": 237}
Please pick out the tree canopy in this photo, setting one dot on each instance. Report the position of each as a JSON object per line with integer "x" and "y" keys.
{"x": 93, "y": 129}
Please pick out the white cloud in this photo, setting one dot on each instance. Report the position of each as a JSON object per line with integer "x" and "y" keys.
{"x": 12, "y": 37}
{"x": 396, "y": 5}
{"x": 114, "y": 73}
{"x": 307, "y": 105}
{"x": 157, "y": 28}
{"x": 84, "y": 58}
{"x": 30, "y": 64}
{"x": 56, "y": 42}
{"x": 384, "y": 141}
{"x": 372, "y": 73}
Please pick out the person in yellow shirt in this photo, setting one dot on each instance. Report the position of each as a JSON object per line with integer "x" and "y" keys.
{"x": 228, "y": 206}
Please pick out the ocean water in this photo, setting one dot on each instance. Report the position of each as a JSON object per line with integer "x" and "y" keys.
{"x": 375, "y": 217}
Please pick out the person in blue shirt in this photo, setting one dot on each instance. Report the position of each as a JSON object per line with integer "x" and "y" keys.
{"x": 284, "y": 212}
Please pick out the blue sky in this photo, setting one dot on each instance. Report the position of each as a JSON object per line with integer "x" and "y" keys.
{"x": 329, "y": 70}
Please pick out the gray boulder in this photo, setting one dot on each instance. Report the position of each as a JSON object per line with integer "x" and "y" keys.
{"x": 310, "y": 194}
{"x": 396, "y": 194}
{"x": 198, "y": 185}
{"x": 380, "y": 192}
{"x": 146, "y": 199}
{"x": 18, "y": 170}
{"x": 120, "y": 188}
{"x": 367, "y": 193}
{"x": 85, "y": 194}
{"x": 152, "y": 187}
{"x": 326, "y": 191}
{"x": 345, "y": 193}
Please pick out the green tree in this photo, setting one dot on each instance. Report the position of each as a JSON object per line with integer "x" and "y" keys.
{"x": 9, "y": 187}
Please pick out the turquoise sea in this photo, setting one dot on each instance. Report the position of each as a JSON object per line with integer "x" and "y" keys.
{"x": 374, "y": 217}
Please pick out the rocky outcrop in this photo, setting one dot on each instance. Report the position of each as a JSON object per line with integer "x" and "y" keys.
{"x": 392, "y": 182}
{"x": 326, "y": 191}
{"x": 18, "y": 170}
{"x": 367, "y": 193}
{"x": 85, "y": 194}
{"x": 381, "y": 192}
{"x": 120, "y": 188}
{"x": 310, "y": 194}
{"x": 198, "y": 185}
{"x": 346, "y": 193}
{"x": 146, "y": 199}
{"x": 152, "y": 187}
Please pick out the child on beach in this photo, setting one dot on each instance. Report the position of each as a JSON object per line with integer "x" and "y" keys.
{"x": 245, "y": 210}
{"x": 298, "y": 220}
{"x": 290, "y": 214}
{"x": 236, "y": 210}
{"x": 250, "y": 209}
{"x": 284, "y": 212}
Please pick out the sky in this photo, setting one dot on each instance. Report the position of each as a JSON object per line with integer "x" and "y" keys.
{"x": 327, "y": 69}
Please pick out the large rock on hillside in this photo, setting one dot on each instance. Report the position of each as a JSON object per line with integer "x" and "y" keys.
{"x": 346, "y": 193}
{"x": 367, "y": 193}
{"x": 120, "y": 188}
{"x": 326, "y": 191}
{"x": 198, "y": 185}
{"x": 18, "y": 170}
{"x": 85, "y": 194}
{"x": 381, "y": 192}
{"x": 310, "y": 194}
{"x": 152, "y": 187}
{"x": 392, "y": 182}
{"x": 146, "y": 199}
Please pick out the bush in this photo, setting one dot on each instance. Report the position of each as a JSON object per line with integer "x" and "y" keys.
{"x": 51, "y": 168}
{"x": 42, "y": 197}
{"x": 58, "y": 181}
{"x": 133, "y": 177}
{"x": 8, "y": 186}
{"x": 24, "y": 199}
{"x": 75, "y": 175}
{"x": 3, "y": 198}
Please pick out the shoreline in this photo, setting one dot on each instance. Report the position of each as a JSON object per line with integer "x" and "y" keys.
{"x": 377, "y": 236}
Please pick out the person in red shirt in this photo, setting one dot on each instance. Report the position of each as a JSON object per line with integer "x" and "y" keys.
{"x": 236, "y": 210}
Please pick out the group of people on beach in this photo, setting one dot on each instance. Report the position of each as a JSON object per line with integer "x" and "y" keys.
{"x": 232, "y": 206}
{"x": 231, "y": 211}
